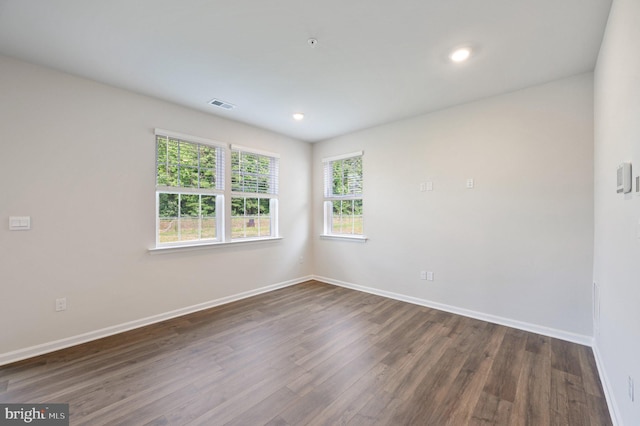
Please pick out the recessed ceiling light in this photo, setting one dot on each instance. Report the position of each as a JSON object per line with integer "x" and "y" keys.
{"x": 298, "y": 116}
{"x": 460, "y": 55}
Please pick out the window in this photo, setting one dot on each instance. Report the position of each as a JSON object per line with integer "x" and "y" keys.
{"x": 254, "y": 192}
{"x": 343, "y": 195}
{"x": 189, "y": 190}
{"x": 192, "y": 186}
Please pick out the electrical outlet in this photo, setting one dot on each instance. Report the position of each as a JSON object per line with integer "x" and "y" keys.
{"x": 470, "y": 183}
{"x": 429, "y": 276}
{"x": 423, "y": 275}
{"x": 631, "y": 390}
{"x": 61, "y": 304}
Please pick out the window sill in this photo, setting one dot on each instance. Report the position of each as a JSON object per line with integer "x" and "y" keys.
{"x": 203, "y": 246}
{"x": 354, "y": 238}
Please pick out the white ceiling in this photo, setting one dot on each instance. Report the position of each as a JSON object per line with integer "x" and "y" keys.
{"x": 376, "y": 61}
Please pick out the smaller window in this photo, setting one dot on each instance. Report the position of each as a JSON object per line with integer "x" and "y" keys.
{"x": 343, "y": 209}
{"x": 254, "y": 193}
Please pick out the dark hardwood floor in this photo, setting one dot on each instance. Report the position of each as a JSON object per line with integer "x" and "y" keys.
{"x": 319, "y": 355}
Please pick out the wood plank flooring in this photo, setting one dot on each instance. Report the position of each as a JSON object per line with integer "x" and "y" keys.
{"x": 315, "y": 354}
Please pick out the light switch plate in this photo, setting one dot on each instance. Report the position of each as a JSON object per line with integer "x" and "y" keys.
{"x": 19, "y": 223}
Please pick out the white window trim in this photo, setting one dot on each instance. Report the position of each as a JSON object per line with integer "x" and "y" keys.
{"x": 343, "y": 156}
{"x": 345, "y": 237}
{"x": 190, "y": 138}
{"x": 327, "y": 204}
{"x": 223, "y": 209}
{"x": 188, "y": 246}
{"x": 235, "y": 147}
{"x": 273, "y": 198}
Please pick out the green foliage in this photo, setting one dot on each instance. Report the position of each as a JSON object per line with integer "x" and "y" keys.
{"x": 347, "y": 176}
{"x": 346, "y": 181}
{"x": 347, "y": 207}
{"x": 247, "y": 206}
{"x": 251, "y": 173}
{"x": 186, "y": 205}
{"x": 250, "y": 217}
{"x": 182, "y": 164}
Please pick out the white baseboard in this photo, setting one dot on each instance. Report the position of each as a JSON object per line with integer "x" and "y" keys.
{"x": 533, "y": 328}
{"x": 606, "y": 387}
{"x": 20, "y": 354}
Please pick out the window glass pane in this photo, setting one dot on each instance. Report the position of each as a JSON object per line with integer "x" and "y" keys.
{"x": 208, "y": 211}
{"x": 347, "y": 217}
{"x": 207, "y": 157}
{"x": 253, "y": 173}
{"x": 357, "y": 217}
{"x": 264, "y": 222}
{"x": 207, "y": 178}
{"x": 264, "y": 206}
{"x": 353, "y": 175}
{"x": 343, "y": 180}
{"x": 251, "y": 206}
{"x": 250, "y": 217}
{"x": 188, "y": 154}
{"x": 161, "y": 149}
{"x": 172, "y": 151}
{"x": 338, "y": 188}
{"x": 347, "y": 177}
{"x": 237, "y": 206}
{"x": 188, "y": 177}
{"x": 189, "y": 217}
{"x": 167, "y": 217}
{"x": 189, "y": 205}
{"x": 237, "y": 227}
{"x": 163, "y": 175}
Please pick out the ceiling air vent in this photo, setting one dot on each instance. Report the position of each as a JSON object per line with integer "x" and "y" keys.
{"x": 221, "y": 104}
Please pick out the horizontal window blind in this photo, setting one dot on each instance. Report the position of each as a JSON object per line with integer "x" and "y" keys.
{"x": 182, "y": 163}
{"x": 253, "y": 172}
{"x": 343, "y": 176}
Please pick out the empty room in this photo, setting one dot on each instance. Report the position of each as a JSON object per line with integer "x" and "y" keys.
{"x": 340, "y": 212}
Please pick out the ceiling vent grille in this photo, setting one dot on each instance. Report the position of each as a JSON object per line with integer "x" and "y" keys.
{"x": 221, "y": 104}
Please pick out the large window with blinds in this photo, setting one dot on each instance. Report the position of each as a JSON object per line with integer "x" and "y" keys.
{"x": 189, "y": 189}
{"x": 192, "y": 191}
{"x": 343, "y": 195}
{"x": 254, "y": 193}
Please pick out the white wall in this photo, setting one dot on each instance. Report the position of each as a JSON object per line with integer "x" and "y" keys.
{"x": 518, "y": 246}
{"x": 617, "y": 216}
{"x": 78, "y": 157}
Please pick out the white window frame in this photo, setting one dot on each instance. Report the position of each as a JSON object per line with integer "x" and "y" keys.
{"x": 270, "y": 192}
{"x": 223, "y": 193}
{"x": 217, "y": 191}
{"x": 330, "y": 198}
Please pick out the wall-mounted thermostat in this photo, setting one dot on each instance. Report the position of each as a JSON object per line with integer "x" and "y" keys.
{"x": 624, "y": 178}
